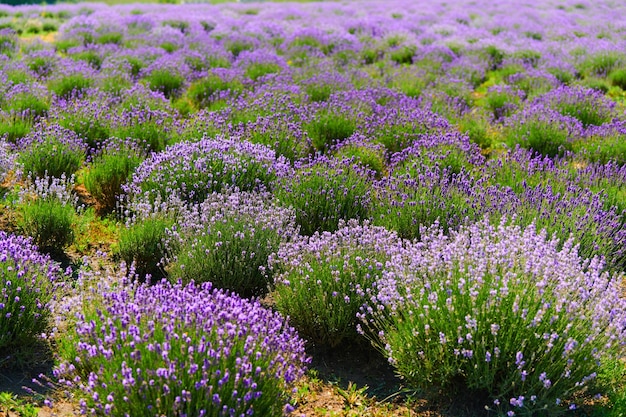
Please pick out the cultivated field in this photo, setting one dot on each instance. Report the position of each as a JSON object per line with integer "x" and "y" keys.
{"x": 383, "y": 208}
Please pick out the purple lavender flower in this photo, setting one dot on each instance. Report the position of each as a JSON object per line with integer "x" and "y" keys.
{"x": 181, "y": 350}
{"x": 555, "y": 314}
{"x": 323, "y": 280}
{"x": 227, "y": 240}
{"x": 189, "y": 171}
{"x": 29, "y": 283}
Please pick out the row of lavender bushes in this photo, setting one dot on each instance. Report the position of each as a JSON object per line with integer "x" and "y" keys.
{"x": 498, "y": 311}
{"x": 446, "y": 183}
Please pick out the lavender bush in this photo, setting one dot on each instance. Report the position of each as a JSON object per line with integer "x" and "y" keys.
{"x": 147, "y": 128}
{"x": 502, "y": 100}
{"x": 370, "y": 155}
{"x": 385, "y": 91}
{"x": 166, "y": 81}
{"x": 9, "y": 43}
{"x": 108, "y": 171}
{"x": 205, "y": 91}
{"x": 618, "y": 78}
{"x": 28, "y": 100}
{"x": 179, "y": 350}
{"x": 142, "y": 244}
{"x": 603, "y": 144}
{"x": 589, "y": 106}
{"x": 227, "y": 241}
{"x": 70, "y": 85}
{"x": 543, "y": 130}
{"x": 7, "y": 165}
{"x": 51, "y": 151}
{"x": 502, "y": 312}
{"x": 328, "y": 127}
{"x": 430, "y": 182}
{"x": 47, "y": 213}
{"x": 190, "y": 171}
{"x": 280, "y": 133}
{"x": 326, "y": 191}
{"x": 85, "y": 117}
{"x": 29, "y": 281}
{"x": 322, "y": 281}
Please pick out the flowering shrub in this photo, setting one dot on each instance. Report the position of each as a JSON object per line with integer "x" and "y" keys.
{"x": 205, "y": 90}
{"x": 190, "y": 171}
{"x": 328, "y": 127}
{"x": 589, "y": 106}
{"x": 618, "y": 78}
{"x": 28, "y": 281}
{"x": 108, "y": 172}
{"x": 47, "y": 213}
{"x": 603, "y": 144}
{"x": 403, "y": 123}
{"x": 226, "y": 102}
{"x": 87, "y": 117}
{"x": 180, "y": 350}
{"x": 502, "y": 100}
{"x": 429, "y": 182}
{"x": 7, "y": 164}
{"x": 501, "y": 312}
{"x": 326, "y": 191}
{"x": 70, "y": 85}
{"x": 149, "y": 129}
{"x": 280, "y": 133}
{"x": 584, "y": 204}
{"x": 9, "y": 42}
{"x": 165, "y": 81}
{"x": 51, "y": 151}
{"x": 323, "y": 280}
{"x": 405, "y": 202}
{"x": 142, "y": 244}
{"x": 543, "y": 130}
{"x": 370, "y": 155}
{"x": 28, "y": 100}
{"x": 228, "y": 239}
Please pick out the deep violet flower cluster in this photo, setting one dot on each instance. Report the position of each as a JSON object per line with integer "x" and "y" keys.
{"x": 190, "y": 171}
{"x": 182, "y": 351}
{"x": 227, "y": 240}
{"x": 323, "y": 280}
{"x": 502, "y": 311}
{"x": 455, "y": 187}
{"x": 29, "y": 283}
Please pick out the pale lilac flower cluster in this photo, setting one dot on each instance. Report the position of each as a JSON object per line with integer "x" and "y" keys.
{"x": 227, "y": 240}
{"x": 49, "y": 188}
{"x": 502, "y": 308}
{"x": 259, "y": 208}
{"x": 324, "y": 279}
{"x": 190, "y": 171}
{"x": 7, "y": 161}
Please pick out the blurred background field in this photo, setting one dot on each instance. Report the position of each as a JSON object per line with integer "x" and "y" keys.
{"x": 115, "y": 2}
